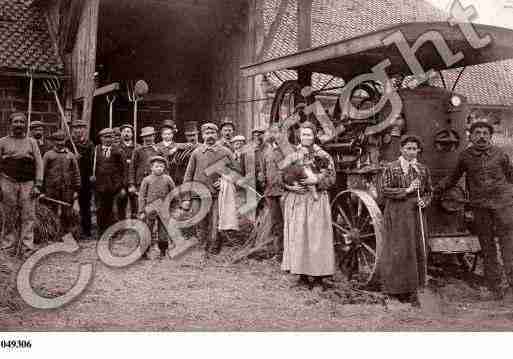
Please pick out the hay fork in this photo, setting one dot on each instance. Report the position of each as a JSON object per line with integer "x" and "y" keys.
{"x": 52, "y": 85}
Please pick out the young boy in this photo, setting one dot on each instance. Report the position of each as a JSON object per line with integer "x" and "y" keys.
{"x": 154, "y": 187}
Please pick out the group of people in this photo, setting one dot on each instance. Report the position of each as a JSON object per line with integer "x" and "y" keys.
{"x": 127, "y": 178}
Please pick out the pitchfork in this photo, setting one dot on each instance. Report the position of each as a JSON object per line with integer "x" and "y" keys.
{"x": 52, "y": 86}
{"x": 135, "y": 92}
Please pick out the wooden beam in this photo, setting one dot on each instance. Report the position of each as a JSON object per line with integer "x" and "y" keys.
{"x": 107, "y": 89}
{"x": 304, "y": 30}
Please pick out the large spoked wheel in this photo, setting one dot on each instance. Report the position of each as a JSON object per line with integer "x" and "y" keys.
{"x": 285, "y": 101}
{"x": 359, "y": 232}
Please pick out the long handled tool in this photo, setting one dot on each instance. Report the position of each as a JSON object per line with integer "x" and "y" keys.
{"x": 429, "y": 300}
{"x": 29, "y": 111}
{"x": 135, "y": 94}
{"x": 52, "y": 86}
{"x": 110, "y": 102}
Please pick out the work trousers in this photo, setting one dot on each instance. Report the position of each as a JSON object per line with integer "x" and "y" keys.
{"x": 84, "y": 201}
{"x": 159, "y": 234}
{"x": 104, "y": 206}
{"x": 17, "y": 197}
{"x": 489, "y": 224}
{"x": 275, "y": 207}
{"x": 207, "y": 228}
{"x": 122, "y": 204}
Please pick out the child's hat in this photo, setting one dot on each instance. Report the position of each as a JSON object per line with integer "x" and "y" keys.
{"x": 159, "y": 159}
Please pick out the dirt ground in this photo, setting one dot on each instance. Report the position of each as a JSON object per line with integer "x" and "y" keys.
{"x": 194, "y": 294}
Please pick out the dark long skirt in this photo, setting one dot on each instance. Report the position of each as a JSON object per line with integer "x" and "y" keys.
{"x": 403, "y": 255}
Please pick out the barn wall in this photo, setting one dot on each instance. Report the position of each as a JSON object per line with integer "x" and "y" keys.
{"x": 13, "y": 97}
{"x": 230, "y": 91}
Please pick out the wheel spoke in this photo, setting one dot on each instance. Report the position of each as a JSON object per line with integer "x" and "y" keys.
{"x": 341, "y": 211}
{"x": 338, "y": 226}
{"x": 365, "y": 223}
{"x": 368, "y": 268}
{"x": 369, "y": 249}
{"x": 367, "y": 235}
{"x": 350, "y": 210}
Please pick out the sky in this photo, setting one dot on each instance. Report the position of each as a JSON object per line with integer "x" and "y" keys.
{"x": 491, "y": 12}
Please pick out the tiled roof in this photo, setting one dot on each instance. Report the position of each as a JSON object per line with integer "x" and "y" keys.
{"x": 335, "y": 20}
{"x": 25, "y": 41}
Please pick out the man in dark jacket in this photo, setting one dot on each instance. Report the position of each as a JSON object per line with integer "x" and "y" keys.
{"x": 109, "y": 178}
{"x": 140, "y": 163}
{"x": 61, "y": 179}
{"x": 127, "y": 146}
{"x": 489, "y": 179}
{"x": 85, "y": 150}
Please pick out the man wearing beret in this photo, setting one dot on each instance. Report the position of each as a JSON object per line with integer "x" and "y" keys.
{"x": 203, "y": 157}
{"x": 85, "y": 149}
{"x": 21, "y": 177}
{"x": 109, "y": 179}
{"x": 489, "y": 180}
{"x": 61, "y": 179}
{"x": 127, "y": 146}
{"x": 37, "y": 132}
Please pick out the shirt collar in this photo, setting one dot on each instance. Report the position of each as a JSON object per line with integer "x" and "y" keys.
{"x": 477, "y": 152}
{"x": 212, "y": 148}
{"x": 405, "y": 164}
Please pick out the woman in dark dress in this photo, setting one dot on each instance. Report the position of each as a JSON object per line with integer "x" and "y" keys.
{"x": 404, "y": 253}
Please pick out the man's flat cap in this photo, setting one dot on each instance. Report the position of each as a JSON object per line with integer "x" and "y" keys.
{"x": 78, "y": 123}
{"x": 209, "y": 126}
{"x": 159, "y": 159}
{"x": 34, "y": 124}
{"x": 59, "y": 136}
{"x": 106, "y": 132}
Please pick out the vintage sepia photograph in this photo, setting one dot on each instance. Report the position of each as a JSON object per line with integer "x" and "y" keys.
{"x": 255, "y": 166}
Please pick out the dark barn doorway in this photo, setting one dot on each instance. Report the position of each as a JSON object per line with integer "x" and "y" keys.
{"x": 166, "y": 43}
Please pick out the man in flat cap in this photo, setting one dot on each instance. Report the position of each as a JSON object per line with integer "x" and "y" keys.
{"x": 489, "y": 179}
{"x": 37, "y": 132}
{"x": 21, "y": 178}
{"x": 61, "y": 179}
{"x": 109, "y": 178}
{"x": 227, "y": 130}
{"x": 85, "y": 148}
{"x": 140, "y": 163}
{"x": 203, "y": 157}
{"x": 167, "y": 148}
{"x": 127, "y": 146}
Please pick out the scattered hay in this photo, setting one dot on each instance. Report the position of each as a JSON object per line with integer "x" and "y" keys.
{"x": 10, "y": 301}
{"x": 47, "y": 227}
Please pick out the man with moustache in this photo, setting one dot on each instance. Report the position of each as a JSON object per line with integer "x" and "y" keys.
{"x": 37, "y": 132}
{"x": 191, "y": 133}
{"x": 127, "y": 146}
{"x": 203, "y": 157}
{"x": 140, "y": 163}
{"x": 21, "y": 178}
{"x": 489, "y": 176}
{"x": 85, "y": 149}
{"x": 168, "y": 147}
{"x": 109, "y": 178}
{"x": 227, "y": 131}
